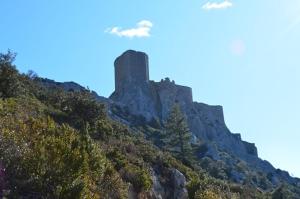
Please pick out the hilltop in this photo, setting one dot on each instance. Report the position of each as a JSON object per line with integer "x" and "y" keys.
{"x": 61, "y": 140}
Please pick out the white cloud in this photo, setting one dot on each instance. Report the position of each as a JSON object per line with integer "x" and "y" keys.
{"x": 142, "y": 29}
{"x": 216, "y": 6}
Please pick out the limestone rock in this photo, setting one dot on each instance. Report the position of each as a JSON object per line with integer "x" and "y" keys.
{"x": 157, "y": 191}
{"x": 179, "y": 180}
{"x": 169, "y": 93}
{"x": 173, "y": 189}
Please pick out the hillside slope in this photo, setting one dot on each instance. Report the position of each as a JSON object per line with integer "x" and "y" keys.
{"x": 59, "y": 140}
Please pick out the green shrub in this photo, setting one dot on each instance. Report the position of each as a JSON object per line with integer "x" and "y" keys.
{"x": 43, "y": 158}
{"x": 139, "y": 178}
{"x": 207, "y": 194}
{"x": 10, "y": 83}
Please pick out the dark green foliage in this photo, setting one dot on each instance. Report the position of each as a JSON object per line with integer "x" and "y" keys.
{"x": 200, "y": 149}
{"x": 103, "y": 130}
{"x": 126, "y": 159}
{"x": 81, "y": 108}
{"x": 42, "y": 158}
{"x": 217, "y": 169}
{"x": 138, "y": 177}
{"x": 10, "y": 84}
{"x": 280, "y": 193}
{"x": 75, "y": 107}
{"x": 178, "y": 135}
{"x": 286, "y": 192}
{"x": 118, "y": 158}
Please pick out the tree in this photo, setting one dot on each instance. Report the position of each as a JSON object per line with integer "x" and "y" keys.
{"x": 10, "y": 85}
{"x": 283, "y": 192}
{"x": 178, "y": 135}
{"x": 82, "y": 108}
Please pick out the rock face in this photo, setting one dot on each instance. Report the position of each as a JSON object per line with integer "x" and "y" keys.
{"x": 153, "y": 100}
{"x": 173, "y": 187}
{"x": 169, "y": 93}
{"x": 179, "y": 181}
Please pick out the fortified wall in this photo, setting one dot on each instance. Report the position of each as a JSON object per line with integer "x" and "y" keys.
{"x": 134, "y": 89}
{"x": 170, "y": 93}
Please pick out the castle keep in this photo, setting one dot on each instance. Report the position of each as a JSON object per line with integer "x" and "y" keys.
{"x": 131, "y": 68}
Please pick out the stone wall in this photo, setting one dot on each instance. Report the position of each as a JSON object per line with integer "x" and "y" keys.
{"x": 170, "y": 93}
{"x": 131, "y": 69}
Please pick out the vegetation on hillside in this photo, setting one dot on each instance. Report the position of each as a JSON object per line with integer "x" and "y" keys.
{"x": 61, "y": 144}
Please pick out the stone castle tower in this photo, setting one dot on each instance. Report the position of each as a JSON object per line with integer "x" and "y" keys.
{"x": 131, "y": 68}
{"x": 141, "y": 95}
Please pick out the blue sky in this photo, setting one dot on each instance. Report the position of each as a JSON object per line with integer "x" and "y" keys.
{"x": 243, "y": 55}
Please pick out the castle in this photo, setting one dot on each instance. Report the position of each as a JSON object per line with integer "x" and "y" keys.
{"x": 145, "y": 97}
{"x": 154, "y": 100}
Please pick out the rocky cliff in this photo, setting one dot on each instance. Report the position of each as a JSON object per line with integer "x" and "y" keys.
{"x": 150, "y": 99}
{"x": 155, "y": 99}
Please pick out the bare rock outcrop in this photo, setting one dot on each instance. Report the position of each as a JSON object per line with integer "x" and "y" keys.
{"x": 179, "y": 180}
{"x": 173, "y": 187}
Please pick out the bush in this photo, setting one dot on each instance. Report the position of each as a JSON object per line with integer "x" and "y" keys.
{"x": 44, "y": 159}
{"x": 138, "y": 177}
{"x": 207, "y": 194}
{"x": 82, "y": 108}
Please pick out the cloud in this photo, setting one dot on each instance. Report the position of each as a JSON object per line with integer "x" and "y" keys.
{"x": 216, "y": 6}
{"x": 142, "y": 29}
